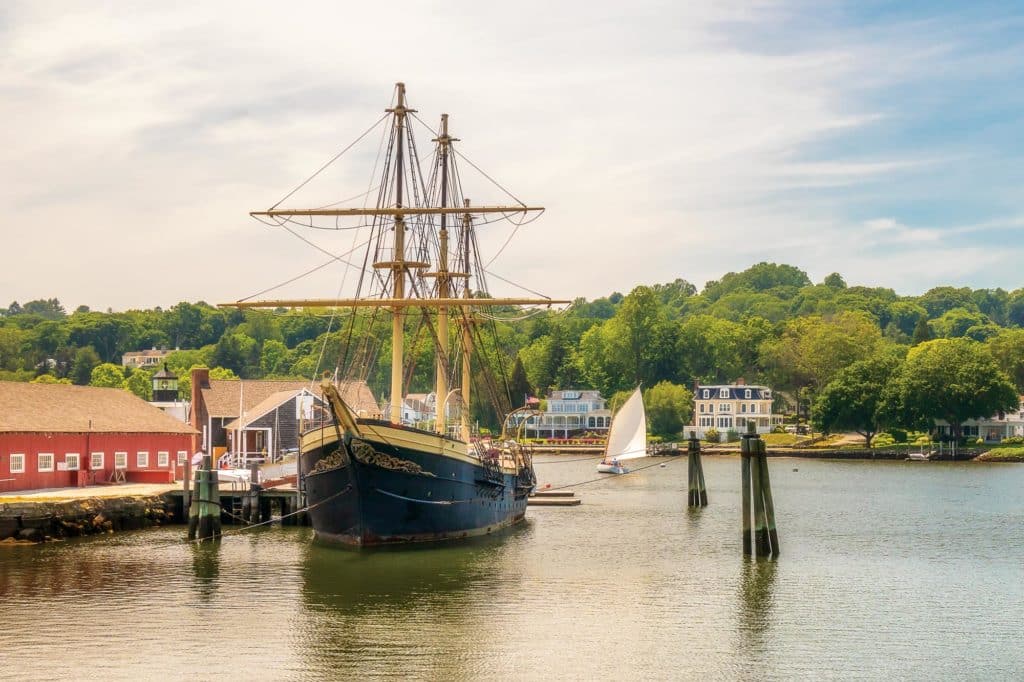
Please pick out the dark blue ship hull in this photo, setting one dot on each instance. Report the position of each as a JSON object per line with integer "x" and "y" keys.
{"x": 371, "y": 490}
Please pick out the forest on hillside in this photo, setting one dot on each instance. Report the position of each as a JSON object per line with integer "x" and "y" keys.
{"x": 767, "y": 324}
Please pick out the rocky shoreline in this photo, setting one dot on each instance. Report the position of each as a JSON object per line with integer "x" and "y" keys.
{"x": 34, "y": 521}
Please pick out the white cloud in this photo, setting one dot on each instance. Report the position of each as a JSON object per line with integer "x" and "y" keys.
{"x": 662, "y": 142}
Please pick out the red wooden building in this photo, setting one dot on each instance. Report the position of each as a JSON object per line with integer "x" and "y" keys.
{"x": 54, "y": 435}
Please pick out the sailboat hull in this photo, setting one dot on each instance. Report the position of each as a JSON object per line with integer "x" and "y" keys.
{"x": 394, "y": 485}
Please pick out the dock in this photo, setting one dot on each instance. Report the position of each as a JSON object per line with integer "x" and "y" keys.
{"x": 553, "y": 498}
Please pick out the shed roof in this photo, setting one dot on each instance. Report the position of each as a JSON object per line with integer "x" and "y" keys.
{"x": 60, "y": 408}
{"x": 273, "y": 401}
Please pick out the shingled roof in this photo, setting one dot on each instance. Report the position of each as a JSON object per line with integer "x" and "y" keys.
{"x": 273, "y": 401}
{"x": 60, "y": 408}
{"x": 222, "y": 397}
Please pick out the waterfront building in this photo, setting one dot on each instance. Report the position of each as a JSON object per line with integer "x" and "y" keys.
{"x": 271, "y": 412}
{"x": 731, "y": 407}
{"x": 990, "y": 429}
{"x": 570, "y": 414}
{"x": 56, "y": 435}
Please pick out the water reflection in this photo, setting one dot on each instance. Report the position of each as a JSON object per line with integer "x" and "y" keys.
{"x": 206, "y": 568}
{"x": 757, "y": 582}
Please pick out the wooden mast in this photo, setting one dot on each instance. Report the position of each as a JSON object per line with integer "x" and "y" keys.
{"x": 443, "y": 289}
{"x": 467, "y": 338}
{"x": 398, "y": 265}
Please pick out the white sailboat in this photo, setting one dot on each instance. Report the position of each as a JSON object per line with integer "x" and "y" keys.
{"x": 627, "y": 438}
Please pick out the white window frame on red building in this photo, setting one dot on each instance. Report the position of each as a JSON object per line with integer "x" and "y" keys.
{"x": 39, "y": 461}
{"x": 142, "y": 459}
{"x": 121, "y": 459}
{"x": 72, "y": 457}
{"x": 20, "y": 467}
{"x": 163, "y": 458}
{"x": 93, "y": 461}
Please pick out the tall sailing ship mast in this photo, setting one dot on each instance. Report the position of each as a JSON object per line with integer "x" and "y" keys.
{"x": 371, "y": 481}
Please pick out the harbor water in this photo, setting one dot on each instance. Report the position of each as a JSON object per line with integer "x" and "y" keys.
{"x": 907, "y": 570}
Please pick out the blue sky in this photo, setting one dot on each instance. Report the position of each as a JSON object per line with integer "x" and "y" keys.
{"x": 666, "y": 139}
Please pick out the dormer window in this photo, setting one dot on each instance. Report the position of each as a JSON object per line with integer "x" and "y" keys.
{"x": 723, "y": 393}
{"x": 707, "y": 394}
{"x": 746, "y": 394}
{"x": 767, "y": 394}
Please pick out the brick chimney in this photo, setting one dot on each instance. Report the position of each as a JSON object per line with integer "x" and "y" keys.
{"x": 198, "y": 414}
{"x": 741, "y": 382}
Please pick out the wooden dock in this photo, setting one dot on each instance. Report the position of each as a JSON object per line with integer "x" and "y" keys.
{"x": 553, "y": 498}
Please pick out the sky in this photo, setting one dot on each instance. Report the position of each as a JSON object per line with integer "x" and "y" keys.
{"x": 666, "y": 140}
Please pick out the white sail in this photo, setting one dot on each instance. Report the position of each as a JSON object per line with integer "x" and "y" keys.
{"x": 627, "y": 438}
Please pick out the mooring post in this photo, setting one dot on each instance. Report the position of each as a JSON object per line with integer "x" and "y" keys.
{"x": 208, "y": 491}
{"x": 254, "y": 494}
{"x": 698, "y": 493}
{"x": 692, "y": 498}
{"x": 193, "y": 508}
{"x": 745, "y": 490}
{"x": 761, "y": 546}
{"x": 769, "y": 505}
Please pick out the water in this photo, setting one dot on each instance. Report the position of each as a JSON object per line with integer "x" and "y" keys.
{"x": 888, "y": 570}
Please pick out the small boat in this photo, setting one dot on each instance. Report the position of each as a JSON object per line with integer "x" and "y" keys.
{"x": 627, "y": 438}
{"x": 919, "y": 456}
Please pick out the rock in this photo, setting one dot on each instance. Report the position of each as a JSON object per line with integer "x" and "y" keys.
{"x": 31, "y": 534}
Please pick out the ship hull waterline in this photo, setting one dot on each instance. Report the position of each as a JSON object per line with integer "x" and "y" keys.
{"x": 382, "y": 489}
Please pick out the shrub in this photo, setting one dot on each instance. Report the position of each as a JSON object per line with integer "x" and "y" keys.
{"x": 882, "y": 440}
{"x": 898, "y": 435}
{"x": 778, "y": 428}
{"x": 979, "y": 441}
{"x": 1013, "y": 440}
{"x": 711, "y": 435}
{"x": 731, "y": 436}
{"x": 923, "y": 439}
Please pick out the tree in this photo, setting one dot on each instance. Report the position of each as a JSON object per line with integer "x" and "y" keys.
{"x": 519, "y": 387}
{"x": 760, "y": 277}
{"x": 835, "y": 281}
{"x": 1007, "y": 347}
{"x": 956, "y": 321}
{"x": 949, "y": 379}
{"x": 922, "y": 332}
{"x": 669, "y": 408}
{"x": 86, "y": 359}
{"x": 107, "y": 375}
{"x": 853, "y": 399}
{"x": 49, "y": 309}
{"x": 140, "y": 382}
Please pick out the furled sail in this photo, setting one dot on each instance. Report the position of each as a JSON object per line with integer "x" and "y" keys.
{"x": 628, "y": 436}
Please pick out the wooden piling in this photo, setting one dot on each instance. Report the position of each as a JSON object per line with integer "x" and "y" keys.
{"x": 769, "y": 505}
{"x": 206, "y": 504}
{"x": 746, "y": 492}
{"x": 757, "y": 489}
{"x": 698, "y": 495}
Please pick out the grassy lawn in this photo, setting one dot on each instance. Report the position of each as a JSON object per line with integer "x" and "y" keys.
{"x": 1004, "y": 454}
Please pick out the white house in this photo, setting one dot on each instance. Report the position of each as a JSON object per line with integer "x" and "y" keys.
{"x": 570, "y": 414}
{"x": 726, "y": 407}
{"x": 991, "y": 429}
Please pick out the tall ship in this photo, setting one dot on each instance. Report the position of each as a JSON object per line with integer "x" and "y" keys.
{"x": 382, "y": 479}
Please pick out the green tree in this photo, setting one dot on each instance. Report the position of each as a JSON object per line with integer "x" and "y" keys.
{"x": 669, "y": 408}
{"x": 835, "y": 281}
{"x": 140, "y": 382}
{"x": 950, "y": 379}
{"x": 519, "y": 387}
{"x": 107, "y": 375}
{"x": 273, "y": 357}
{"x": 922, "y": 332}
{"x": 86, "y": 359}
{"x": 853, "y": 399}
{"x": 957, "y": 321}
{"x": 1007, "y": 347}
